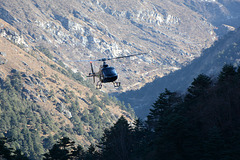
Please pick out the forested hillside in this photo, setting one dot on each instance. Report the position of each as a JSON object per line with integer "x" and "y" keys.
{"x": 42, "y": 101}
{"x": 202, "y": 124}
{"x": 33, "y": 128}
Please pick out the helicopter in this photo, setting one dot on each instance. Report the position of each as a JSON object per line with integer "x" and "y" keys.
{"x": 106, "y": 74}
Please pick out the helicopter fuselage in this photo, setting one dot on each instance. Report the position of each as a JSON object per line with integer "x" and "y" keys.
{"x": 107, "y": 74}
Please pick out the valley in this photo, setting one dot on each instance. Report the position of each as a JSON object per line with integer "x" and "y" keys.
{"x": 45, "y": 94}
{"x": 224, "y": 51}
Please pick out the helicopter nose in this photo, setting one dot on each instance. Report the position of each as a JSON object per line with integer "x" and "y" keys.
{"x": 110, "y": 78}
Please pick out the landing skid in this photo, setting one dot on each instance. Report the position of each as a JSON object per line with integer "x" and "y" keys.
{"x": 116, "y": 84}
{"x": 99, "y": 85}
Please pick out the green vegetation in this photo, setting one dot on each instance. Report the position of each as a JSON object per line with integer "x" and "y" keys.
{"x": 34, "y": 130}
{"x": 45, "y": 51}
{"x": 9, "y": 153}
{"x": 118, "y": 142}
{"x": 69, "y": 73}
{"x": 203, "y": 124}
{"x": 21, "y": 119}
{"x": 65, "y": 149}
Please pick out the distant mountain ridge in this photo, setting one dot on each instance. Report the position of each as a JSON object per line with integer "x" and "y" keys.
{"x": 223, "y": 14}
{"x": 224, "y": 51}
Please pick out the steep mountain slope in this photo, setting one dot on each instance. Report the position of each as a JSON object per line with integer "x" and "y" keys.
{"x": 171, "y": 32}
{"x": 41, "y": 100}
{"x": 223, "y": 51}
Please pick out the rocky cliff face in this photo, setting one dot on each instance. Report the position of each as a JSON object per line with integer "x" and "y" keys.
{"x": 171, "y": 32}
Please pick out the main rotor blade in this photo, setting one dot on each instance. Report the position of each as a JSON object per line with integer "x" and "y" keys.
{"x": 106, "y": 59}
{"x": 126, "y": 56}
{"x": 102, "y": 59}
{"x": 83, "y": 60}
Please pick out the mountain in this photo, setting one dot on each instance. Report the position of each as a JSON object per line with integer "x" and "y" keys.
{"x": 224, "y": 51}
{"x": 44, "y": 93}
{"x": 42, "y": 101}
{"x": 170, "y": 32}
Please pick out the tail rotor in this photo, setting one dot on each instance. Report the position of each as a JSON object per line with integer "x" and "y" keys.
{"x": 93, "y": 73}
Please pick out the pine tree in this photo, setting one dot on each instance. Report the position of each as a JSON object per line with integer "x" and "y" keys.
{"x": 165, "y": 103}
{"x": 92, "y": 154}
{"x": 141, "y": 137}
{"x": 61, "y": 150}
{"x": 116, "y": 141}
{"x": 227, "y": 73}
{"x": 4, "y": 151}
{"x": 48, "y": 142}
{"x": 198, "y": 87}
{"x": 214, "y": 147}
{"x": 77, "y": 153}
{"x": 9, "y": 153}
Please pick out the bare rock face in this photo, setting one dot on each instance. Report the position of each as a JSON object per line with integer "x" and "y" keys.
{"x": 172, "y": 32}
{"x": 6, "y": 16}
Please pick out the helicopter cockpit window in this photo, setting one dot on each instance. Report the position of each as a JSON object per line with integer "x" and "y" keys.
{"x": 110, "y": 71}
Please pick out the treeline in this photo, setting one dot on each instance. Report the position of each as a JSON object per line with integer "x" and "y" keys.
{"x": 203, "y": 124}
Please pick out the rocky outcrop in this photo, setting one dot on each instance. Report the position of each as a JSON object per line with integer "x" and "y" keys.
{"x": 62, "y": 109}
{"x": 2, "y": 59}
{"x": 12, "y": 36}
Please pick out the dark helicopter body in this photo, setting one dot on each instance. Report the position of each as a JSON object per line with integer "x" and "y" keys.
{"x": 106, "y": 74}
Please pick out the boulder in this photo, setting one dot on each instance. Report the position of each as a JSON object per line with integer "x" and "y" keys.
{"x": 3, "y": 54}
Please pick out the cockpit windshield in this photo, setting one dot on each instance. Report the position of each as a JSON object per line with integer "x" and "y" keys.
{"x": 109, "y": 72}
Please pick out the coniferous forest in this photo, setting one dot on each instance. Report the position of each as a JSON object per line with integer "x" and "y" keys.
{"x": 203, "y": 124}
